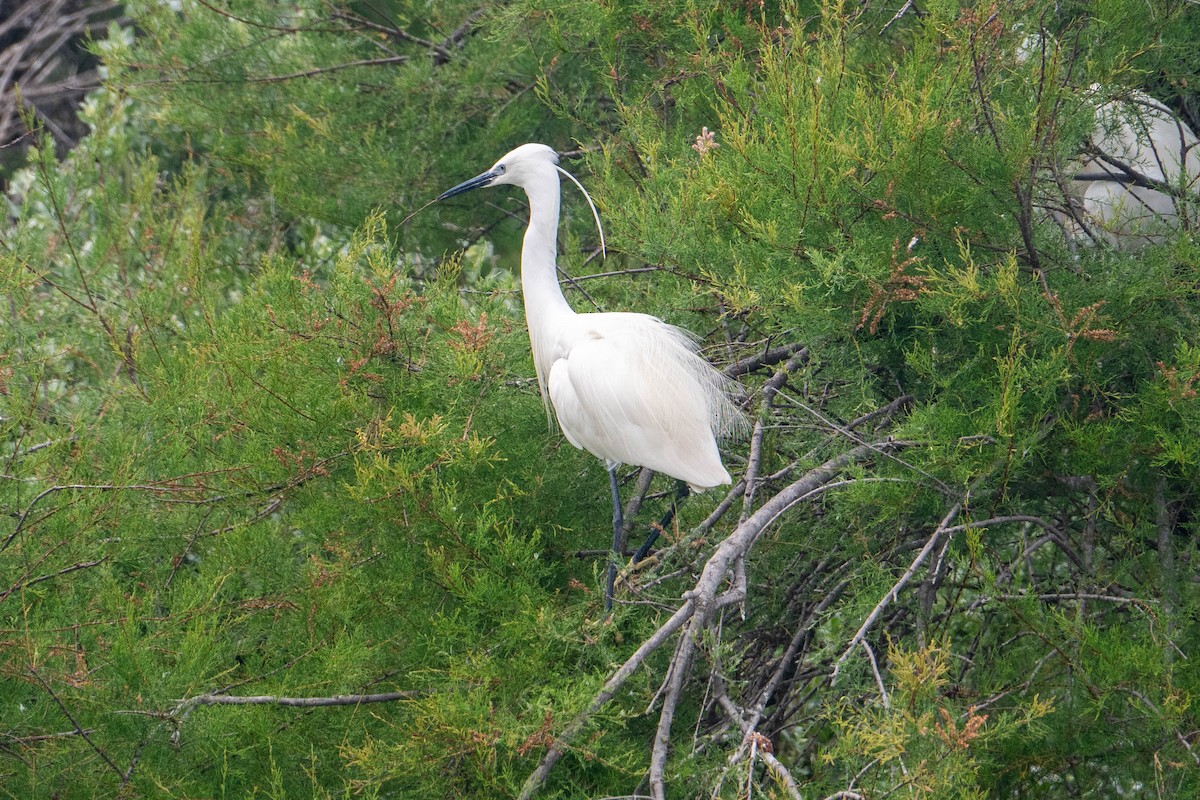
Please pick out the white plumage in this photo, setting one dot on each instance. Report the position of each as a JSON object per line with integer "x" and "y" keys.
{"x": 1137, "y": 139}
{"x": 628, "y": 388}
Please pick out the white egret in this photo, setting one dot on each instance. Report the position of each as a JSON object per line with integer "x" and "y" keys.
{"x": 1138, "y": 177}
{"x": 1143, "y": 172}
{"x": 626, "y": 387}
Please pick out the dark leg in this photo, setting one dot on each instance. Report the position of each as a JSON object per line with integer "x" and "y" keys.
{"x": 617, "y": 544}
{"x": 681, "y": 491}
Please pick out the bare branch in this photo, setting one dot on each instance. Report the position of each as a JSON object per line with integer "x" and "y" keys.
{"x": 291, "y": 76}
{"x": 299, "y": 702}
{"x": 893, "y": 593}
{"x": 705, "y": 597}
{"x": 909, "y": 5}
{"x": 46, "y": 737}
{"x": 887, "y": 703}
{"x": 459, "y": 34}
{"x": 164, "y": 487}
{"x": 749, "y": 734}
{"x": 442, "y": 53}
{"x": 766, "y": 358}
{"x": 606, "y": 693}
{"x": 43, "y": 54}
{"x": 185, "y": 707}
{"x": 789, "y": 655}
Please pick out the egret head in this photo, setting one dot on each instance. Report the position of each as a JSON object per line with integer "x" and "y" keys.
{"x": 520, "y": 167}
{"x": 534, "y": 168}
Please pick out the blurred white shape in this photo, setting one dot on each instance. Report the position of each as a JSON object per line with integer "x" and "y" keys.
{"x": 1140, "y": 179}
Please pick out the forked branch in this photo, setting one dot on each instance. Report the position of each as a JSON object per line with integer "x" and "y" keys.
{"x": 696, "y": 612}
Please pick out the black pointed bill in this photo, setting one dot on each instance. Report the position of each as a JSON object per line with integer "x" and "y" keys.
{"x": 474, "y": 183}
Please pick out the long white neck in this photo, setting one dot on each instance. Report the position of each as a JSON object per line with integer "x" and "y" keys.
{"x": 545, "y": 306}
{"x": 539, "y": 280}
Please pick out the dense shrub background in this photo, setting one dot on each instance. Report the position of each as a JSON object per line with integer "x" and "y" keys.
{"x": 259, "y": 439}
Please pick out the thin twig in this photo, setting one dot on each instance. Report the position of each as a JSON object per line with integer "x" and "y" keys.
{"x": 904, "y": 9}
{"x": 50, "y": 576}
{"x": 893, "y": 593}
{"x": 749, "y": 734}
{"x": 79, "y": 729}
{"x": 164, "y": 487}
{"x": 184, "y": 708}
{"x": 887, "y": 703}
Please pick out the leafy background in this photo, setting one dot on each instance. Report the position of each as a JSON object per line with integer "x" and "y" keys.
{"x": 260, "y": 439}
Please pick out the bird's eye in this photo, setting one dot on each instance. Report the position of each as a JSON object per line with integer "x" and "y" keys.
{"x": 499, "y": 169}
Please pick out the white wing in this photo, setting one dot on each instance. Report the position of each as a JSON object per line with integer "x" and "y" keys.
{"x": 631, "y": 389}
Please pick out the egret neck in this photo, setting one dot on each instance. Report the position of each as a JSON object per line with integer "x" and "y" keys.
{"x": 546, "y": 310}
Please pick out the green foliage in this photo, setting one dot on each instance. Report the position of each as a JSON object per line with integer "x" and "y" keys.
{"x": 260, "y": 439}
{"x": 334, "y": 111}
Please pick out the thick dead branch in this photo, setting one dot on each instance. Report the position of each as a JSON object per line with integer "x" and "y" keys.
{"x": 696, "y": 613}
{"x": 766, "y": 358}
{"x": 607, "y": 692}
{"x": 706, "y": 596}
